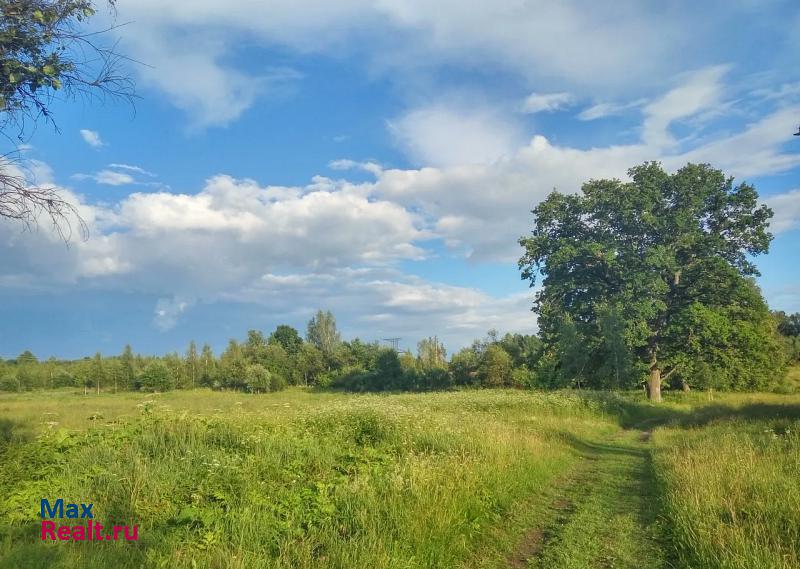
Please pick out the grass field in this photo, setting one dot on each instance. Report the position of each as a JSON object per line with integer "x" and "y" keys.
{"x": 489, "y": 478}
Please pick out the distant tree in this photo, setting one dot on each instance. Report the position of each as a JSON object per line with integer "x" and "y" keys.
{"x": 361, "y": 354}
{"x": 322, "y": 332}
{"x": 176, "y": 368}
{"x": 208, "y": 365}
{"x": 253, "y": 348}
{"x": 114, "y": 373}
{"x": 233, "y": 367}
{"x": 431, "y": 353}
{"x": 288, "y": 338}
{"x": 408, "y": 362}
{"x": 192, "y": 364}
{"x": 389, "y": 372}
{"x": 495, "y": 367}
{"x": 524, "y": 349}
{"x": 788, "y": 324}
{"x": 63, "y": 378}
{"x": 26, "y": 358}
{"x": 9, "y": 382}
{"x": 789, "y": 329}
{"x": 156, "y": 376}
{"x": 308, "y": 364}
{"x": 464, "y": 366}
{"x": 97, "y": 372}
{"x": 258, "y": 378}
{"x": 654, "y": 247}
{"x": 128, "y": 371}
{"x": 277, "y": 361}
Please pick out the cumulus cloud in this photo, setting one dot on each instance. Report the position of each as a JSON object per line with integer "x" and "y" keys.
{"x": 92, "y": 138}
{"x": 383, "y": 302}
{"x": 337, "y": 243}
{"x": 537, "y": 102}
{"x": 481, "y": 209}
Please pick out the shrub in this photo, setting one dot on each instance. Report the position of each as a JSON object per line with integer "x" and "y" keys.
{"x": 156, "y": 377}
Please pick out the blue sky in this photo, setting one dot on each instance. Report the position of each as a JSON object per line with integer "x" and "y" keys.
{"x": 380, "y": 159}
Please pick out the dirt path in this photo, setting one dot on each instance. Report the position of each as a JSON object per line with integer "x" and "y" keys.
{"x": 604, "y": 515}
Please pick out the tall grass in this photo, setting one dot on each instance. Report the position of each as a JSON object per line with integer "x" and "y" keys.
{"x": 303, "y": 479}
{"x": 346, "y": 481}
{"x": 731, "y": 492}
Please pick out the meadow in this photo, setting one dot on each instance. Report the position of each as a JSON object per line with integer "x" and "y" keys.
{"x": 473, "y": 478}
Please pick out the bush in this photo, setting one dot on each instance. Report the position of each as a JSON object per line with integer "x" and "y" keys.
{"x": 278, "y": 382}
{"x": 9, "y": 382}
{"x": 156, "y": 377}
{"x": 64, "y": 379}
{"x": 259, "y": 379}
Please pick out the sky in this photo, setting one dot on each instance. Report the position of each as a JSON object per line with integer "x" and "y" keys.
{"x": 380, "y": 160}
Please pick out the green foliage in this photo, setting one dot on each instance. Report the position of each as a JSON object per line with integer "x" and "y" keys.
{"x": 625, "y": 266}
{"x": 9, "y": 382}
{"x": 495, "y": 367}
{"x": 464, "y": 367}
{"x": 288, "y": 338}
{"x": 156, "y": 376}
{"x": 431, "y": 354}
{"x": 259, "y": 379}
{"x": 43, "y": 51}
{"x": 322, "y": 332}
{"x": 232, "y": 367}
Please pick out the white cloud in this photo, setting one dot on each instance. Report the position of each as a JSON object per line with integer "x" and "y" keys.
{"x": 700, "y": 91}
{"x": 381, "y": 302}
{"x": 481, "y": 209}
{"x": 346, "y": 164}
{"x": 335, "y": 243}
{"x": 130, "y": 168}
{"x": 537, "y": 102}
{"x": 602, "y": 110}
{"x": 111, "y": 178}
{"x": 443, "y": 136}
{"x": 192, "y": 46}
{"x": 120, "y": 175}
{"x": 92, "y": 138}
{"x": 786, "y": 208}
{"x": 168, "y": 311}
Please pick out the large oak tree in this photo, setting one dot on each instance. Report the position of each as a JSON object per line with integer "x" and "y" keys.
{"x": 667, "y": 259}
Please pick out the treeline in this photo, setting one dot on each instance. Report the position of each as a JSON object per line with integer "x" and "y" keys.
{"x": 271, "y": 363}
{"x": 260, "y": 364}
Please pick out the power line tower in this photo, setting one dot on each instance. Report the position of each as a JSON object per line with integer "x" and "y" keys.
{"x": 394, "y": 342}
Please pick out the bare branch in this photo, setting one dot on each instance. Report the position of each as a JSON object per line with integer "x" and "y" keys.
{"x": 25, "y": 202}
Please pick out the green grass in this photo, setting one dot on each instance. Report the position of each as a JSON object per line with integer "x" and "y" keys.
{"x": 480, "y": 479}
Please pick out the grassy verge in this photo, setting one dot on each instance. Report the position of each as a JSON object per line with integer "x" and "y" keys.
{"x": 731, "y": 491}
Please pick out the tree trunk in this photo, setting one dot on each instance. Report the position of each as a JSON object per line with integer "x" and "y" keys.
{"x": 654, "y": 385}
